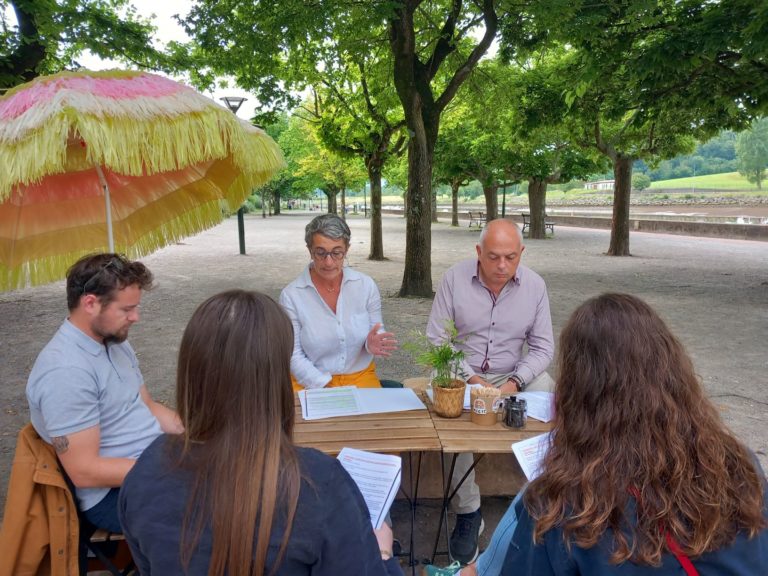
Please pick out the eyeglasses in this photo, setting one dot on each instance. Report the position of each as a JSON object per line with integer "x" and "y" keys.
{"x": 113, "y": 262}
{"x": 320, "y": 254}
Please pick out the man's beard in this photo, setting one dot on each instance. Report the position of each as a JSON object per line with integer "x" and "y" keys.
{"x": 111, "y": 337}
{"x": 116, "y": 338}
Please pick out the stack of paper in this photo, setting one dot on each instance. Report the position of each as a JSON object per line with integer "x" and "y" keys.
{"x": 540, "y": 405}
{"x": 378, "y": 478}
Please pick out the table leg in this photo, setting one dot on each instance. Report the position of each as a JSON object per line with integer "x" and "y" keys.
{"x": 412, "y": 501}
{"x": 444, "y": 507}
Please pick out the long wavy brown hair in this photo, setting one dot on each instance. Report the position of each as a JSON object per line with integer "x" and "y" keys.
{"x": 631, "y": 418}
{"x": 234, "y": 396}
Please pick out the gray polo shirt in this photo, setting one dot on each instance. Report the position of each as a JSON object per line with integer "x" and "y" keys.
{"x": 77, "y": 383}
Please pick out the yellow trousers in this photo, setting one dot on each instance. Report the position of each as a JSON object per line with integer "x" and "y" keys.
{"x": 366, "y": 378}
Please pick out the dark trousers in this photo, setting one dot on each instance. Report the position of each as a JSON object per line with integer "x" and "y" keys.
{"x": 104, "y": 514}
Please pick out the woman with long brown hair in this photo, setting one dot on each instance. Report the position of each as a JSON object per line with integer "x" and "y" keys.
{"x": 232, "y": 494}
{"x": 642, "y": 477}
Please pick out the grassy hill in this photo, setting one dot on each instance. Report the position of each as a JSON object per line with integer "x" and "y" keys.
{"x": 733, "y": 183}
{"x": 725, "y": 181}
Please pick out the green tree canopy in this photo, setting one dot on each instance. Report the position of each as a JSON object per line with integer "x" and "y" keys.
{"x": 648, "y": 77}
{"x": 50, "y": 35}
{"x": 752, "y": 152}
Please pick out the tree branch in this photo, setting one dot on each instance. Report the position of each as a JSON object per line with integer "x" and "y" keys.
{"x": 491, "y": 24}
{"x": 445, "y": 43}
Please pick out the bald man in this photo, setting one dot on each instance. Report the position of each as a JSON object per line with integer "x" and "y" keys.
{"x": 498, "y": 306}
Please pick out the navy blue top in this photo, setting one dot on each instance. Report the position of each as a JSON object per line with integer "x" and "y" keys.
{"x": 744, "y": 557}
{"x": 331, "y": 535}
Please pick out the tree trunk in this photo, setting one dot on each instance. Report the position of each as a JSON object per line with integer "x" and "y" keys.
{"x": 417, "y": 276}
{"x": 455, "y": 202}
{"x": 490, "y": 191}
{"x": 277, "y": 202}
{"x": 331, "y": 194}
{"x": 377, "y": 238}
{"x": 434, "y": 204}
{"x": 412, "y": 79}
{"x": 344, "y": 203}
{"x": 263, "y": 204}
{"x": 537, "y": 204}
{"x": 622, "y": 187}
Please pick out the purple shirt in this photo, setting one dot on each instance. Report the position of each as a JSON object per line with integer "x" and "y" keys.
{"x": 495, "y": 329}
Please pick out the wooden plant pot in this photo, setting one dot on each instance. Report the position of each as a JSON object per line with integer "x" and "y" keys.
{"x": 449, "y": 402}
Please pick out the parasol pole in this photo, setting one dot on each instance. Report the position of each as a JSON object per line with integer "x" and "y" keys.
{"x": 108, "y": 203}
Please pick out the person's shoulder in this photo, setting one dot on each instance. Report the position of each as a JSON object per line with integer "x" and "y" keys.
{"x": 61, "y": 356}
{"x": 463, "y": 269}
{"x": 303, "y": 280}
{"x": 322, "y": 473}
{"x": 316, "y": 466}
{"x": 159, "y": 451}
{"x": 352, "y": 275}
{"x": 529, "y": 276}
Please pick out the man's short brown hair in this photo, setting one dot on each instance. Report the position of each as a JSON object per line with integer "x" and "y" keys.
{"x": 103, "y": 275}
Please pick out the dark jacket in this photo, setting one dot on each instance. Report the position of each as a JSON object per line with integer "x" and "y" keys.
{"x": 744, "y": 557}
{"x": 40, "y": 526}
{"x": 331, "y": 532}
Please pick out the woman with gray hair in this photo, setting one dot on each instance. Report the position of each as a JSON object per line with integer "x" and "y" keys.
{"x": 336, "y": 314}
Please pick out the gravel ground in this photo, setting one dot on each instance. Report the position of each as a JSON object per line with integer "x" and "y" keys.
{"x": 712, "y": 292}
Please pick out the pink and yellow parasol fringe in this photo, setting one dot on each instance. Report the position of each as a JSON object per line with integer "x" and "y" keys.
{"x": 171, "y": 154}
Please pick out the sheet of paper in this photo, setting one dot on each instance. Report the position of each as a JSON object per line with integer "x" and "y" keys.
{"x": 377, "y": 400}
{"x": 530, "y": 453}
{"x": 377, "y": 476}
{"x": 329, "y": 402}
{"x": 467, "y": 402}
{"x": 540, "y": 404}
{"x": 351, "y": 401}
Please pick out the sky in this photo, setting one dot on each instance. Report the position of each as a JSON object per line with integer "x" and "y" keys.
{"x": 167, "y": 30}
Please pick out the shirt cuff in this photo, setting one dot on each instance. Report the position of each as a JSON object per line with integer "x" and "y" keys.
{"x": 525, "y": 373}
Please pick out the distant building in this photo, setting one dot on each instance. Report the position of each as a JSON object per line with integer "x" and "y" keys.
{"x": 599, "y": 185}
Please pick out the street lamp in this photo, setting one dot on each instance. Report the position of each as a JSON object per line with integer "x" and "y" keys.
{"x": 234, "y": 103}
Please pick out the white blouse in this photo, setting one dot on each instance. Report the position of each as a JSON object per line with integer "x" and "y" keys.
{"x": 325, "y": 343}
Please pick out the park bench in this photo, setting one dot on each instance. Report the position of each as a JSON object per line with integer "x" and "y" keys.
{"x": 548, "y": 224}
{"x": 477, "y": 218}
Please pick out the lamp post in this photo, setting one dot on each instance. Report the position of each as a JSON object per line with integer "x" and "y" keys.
{"x": 234, "y": 103}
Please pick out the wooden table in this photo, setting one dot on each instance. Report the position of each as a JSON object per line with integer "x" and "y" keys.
{"x": 460, "y": 435}
{"x": 389, "y": 432}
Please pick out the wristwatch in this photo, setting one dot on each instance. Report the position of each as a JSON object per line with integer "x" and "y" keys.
{"x": 519, "y": 381}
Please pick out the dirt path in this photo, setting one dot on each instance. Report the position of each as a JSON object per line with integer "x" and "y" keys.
{"x": 713, "y": 293}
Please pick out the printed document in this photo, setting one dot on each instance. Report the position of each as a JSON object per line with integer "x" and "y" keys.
{"x": 539, "y": 404}
{"x": 530, "y": 454}
{"x": 377, "y": 476}
{"x": 350, "y": 401}
{"x": 329, "y": 402}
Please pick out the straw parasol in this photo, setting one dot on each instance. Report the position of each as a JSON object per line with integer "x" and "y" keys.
{"x": 118, "y": 160}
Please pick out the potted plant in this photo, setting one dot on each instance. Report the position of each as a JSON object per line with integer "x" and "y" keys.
{"x": 445, "y": 361}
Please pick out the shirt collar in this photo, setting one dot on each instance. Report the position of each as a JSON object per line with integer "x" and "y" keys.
{"x": 516, "y": 279}
{"x": 81, "y": 338}
{"x": 305, "y": 280}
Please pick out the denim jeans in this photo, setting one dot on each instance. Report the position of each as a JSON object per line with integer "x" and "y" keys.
{"x": 489, "y": 563}
{"x": 104, "y": 514}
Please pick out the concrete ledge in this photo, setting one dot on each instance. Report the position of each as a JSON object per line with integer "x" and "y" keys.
{"x": 755, "y": 232}
{"x": 704, "y": 229}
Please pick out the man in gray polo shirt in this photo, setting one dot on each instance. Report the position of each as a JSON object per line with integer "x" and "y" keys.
{"x": 499, "y": 307}
{"x": 86, "y": 394}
